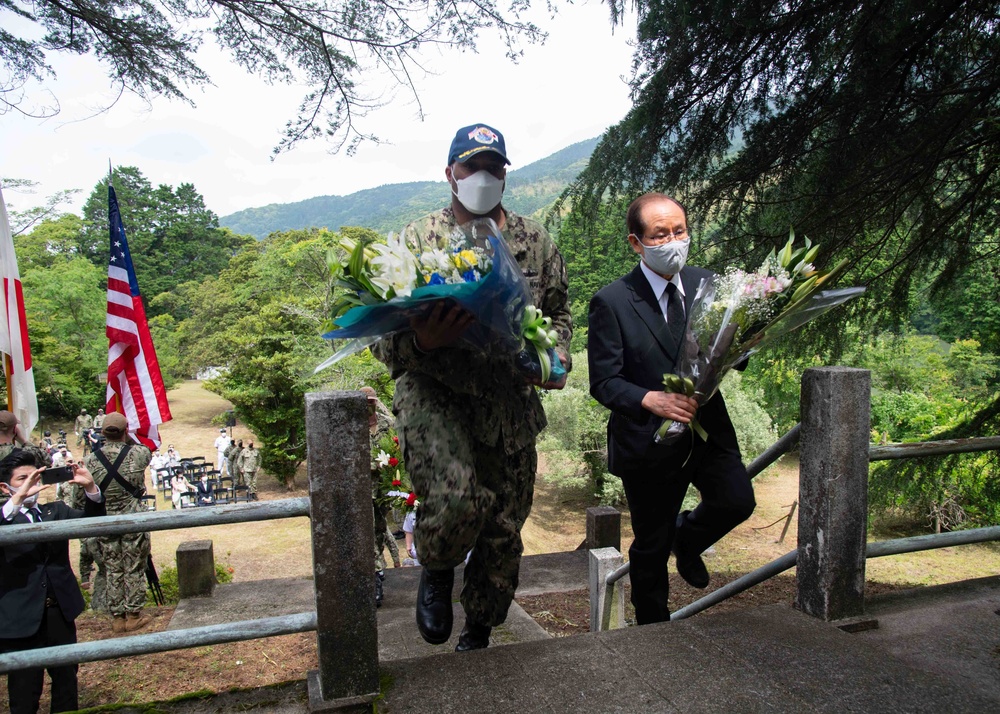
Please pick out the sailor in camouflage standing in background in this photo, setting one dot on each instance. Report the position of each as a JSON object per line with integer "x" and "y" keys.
{"x": 248, "y": 463}
{"x": 467, "y": 419}
{"x": 119, "y": 469}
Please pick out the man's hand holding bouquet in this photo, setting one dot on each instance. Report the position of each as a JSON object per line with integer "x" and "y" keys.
{"x": 735, "y": 314}
{"x": 471, "y": 289}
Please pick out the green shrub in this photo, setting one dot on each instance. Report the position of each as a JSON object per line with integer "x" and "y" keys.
{"x": 171, "y": 590}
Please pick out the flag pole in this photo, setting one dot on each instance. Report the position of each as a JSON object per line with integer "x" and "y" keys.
{"x": 8, "y": 373}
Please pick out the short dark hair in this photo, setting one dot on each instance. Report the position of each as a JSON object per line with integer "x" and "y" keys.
{"x": 14, "y": 460}
{"x": 633, "y": 217}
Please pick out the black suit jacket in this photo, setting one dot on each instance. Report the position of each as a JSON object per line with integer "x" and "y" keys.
{"x": 629, "y": 350}
{"x": 30, "y": 572}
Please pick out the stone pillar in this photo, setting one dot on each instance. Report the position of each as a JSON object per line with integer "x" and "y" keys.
{"x": 607, "y": 603}
{"x": 340, "y": 491}
{"x": 195, "y": 569}
{"x": 604, "y": 528}
{"x": 833, "y": 491}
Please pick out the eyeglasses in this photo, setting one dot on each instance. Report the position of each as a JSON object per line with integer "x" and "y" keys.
{"x": 665, "y": 237}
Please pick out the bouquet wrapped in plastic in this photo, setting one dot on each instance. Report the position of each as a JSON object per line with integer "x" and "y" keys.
{"x": 735, "y": 314}
{"x": 384, "y": 286}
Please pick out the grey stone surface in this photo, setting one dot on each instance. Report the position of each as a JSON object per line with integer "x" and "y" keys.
{"x": 195, "y": 568}
{"x": 951, "y": 631}
{"x": 238, "y": 601}
{"x": 833, "y": 491}
{"x": 933, "y": 653}
{"x": 607, "y": 603}
{"x": 604, "y": 528}
{"x": 339, "y": 457}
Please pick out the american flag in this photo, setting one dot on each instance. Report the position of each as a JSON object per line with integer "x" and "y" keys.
{"x": 135, "y": 386}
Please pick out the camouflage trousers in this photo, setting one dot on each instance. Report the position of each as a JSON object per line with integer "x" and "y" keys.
{"x": 472, "y": 497}
{"x": 383, "y": 540}
{"x": 124, "y": 560}
{"x": 250, "y": 478}
{"x": 90, "y": 555}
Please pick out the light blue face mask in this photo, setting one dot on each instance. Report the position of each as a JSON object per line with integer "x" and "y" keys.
{"x": 667, "y": 258}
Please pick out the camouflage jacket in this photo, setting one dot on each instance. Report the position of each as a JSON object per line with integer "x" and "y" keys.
{"x": 499, "y": 402}
{"x": 249, "y": 460}
{"x": 82, "y": 423}
{"x": 132, "y": 469}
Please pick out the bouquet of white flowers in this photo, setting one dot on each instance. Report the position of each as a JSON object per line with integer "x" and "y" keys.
{"x": 383, "y": 286}
{"x": 735, "y": 314}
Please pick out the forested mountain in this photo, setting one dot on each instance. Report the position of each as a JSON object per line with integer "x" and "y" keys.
{"x": 389, "y": 207}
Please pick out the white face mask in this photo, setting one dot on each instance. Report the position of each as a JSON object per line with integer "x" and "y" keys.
{"x": 29, "y": 502}
{"x": 668, "y": 258}
{"x": 479, "y": 193}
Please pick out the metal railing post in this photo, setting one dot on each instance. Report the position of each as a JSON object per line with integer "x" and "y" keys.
{"x": 833, "y": 491}
{"x": 339, "y": 458}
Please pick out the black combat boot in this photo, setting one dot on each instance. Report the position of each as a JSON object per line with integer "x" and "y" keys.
{"x": 434, "y": 615}
{"x": 379, "y": 594}
{"x": 474, "y": 637}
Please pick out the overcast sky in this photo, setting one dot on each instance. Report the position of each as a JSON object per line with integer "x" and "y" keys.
{"x": 567, "y": 90}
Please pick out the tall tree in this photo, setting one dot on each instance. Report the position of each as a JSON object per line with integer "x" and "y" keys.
{"x": 173, "y": 236}
{"x": 332, "y": 47}
{"x": 869, "y": 125}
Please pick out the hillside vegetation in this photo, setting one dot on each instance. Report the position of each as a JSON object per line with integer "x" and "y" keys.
{"x": 530, "y": 190}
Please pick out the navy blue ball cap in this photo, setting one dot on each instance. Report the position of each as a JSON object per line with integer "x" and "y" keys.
{"x": 475, "y": 139}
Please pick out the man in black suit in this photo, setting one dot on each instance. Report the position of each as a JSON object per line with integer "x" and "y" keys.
{"x": 636, "y": 327}
{"x": 39, "y": 595}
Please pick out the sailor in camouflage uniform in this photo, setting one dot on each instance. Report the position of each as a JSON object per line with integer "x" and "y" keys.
{"x": 11, "y": 438}
{"x": 90, "y": 556}
{"x": 467, "y": 419}
{"x": 124, "y": 556}
{"x": 248, "y": 463}
{"x": 81, "y": 426}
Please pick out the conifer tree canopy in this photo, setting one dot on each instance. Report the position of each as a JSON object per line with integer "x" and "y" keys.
{"x": 869, "y": 125}
{"x": 332, "y": 47}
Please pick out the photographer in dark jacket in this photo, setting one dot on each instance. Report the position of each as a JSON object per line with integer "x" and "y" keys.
{"x": 39, "y": 595}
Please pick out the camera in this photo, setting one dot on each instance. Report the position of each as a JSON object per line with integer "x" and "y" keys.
{"x": 57, "y": 474}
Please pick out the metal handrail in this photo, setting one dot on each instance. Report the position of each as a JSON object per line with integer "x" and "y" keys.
{"x": 153, "y": 521}
{"x": 933, "y": 448}
{"x": 774, "y": 452}
{"x": 873, "y": 550}
{"x": 878, "y": 549}
{"x": 158, "y": 642}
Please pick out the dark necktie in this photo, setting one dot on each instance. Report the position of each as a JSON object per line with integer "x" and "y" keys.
{"x": 675, "y": 314}
{"x": 36, "y": 515}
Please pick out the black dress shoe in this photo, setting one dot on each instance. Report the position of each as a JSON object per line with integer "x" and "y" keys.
{"x": 473, "y": 637}
{"x": 434, "y": 614}
{"x": 379, "y": 594}
{"x": 690, "y": 567}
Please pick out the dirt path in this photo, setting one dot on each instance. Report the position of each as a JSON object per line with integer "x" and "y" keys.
{"x": 557, "y": 522}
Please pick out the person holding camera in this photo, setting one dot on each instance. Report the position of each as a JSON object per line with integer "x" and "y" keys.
{"x": 120, "y": 471}
{"x": 11, "y": 438}
{"x": 39, "y": 595}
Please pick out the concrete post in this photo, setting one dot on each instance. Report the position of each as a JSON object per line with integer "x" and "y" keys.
{"x": 604, "y": 528}
{"x": 833, "y": 491}
{"x": 343, "y": 544}
{"x": 195, "y": 569}
{"x": 607, "y": 603}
